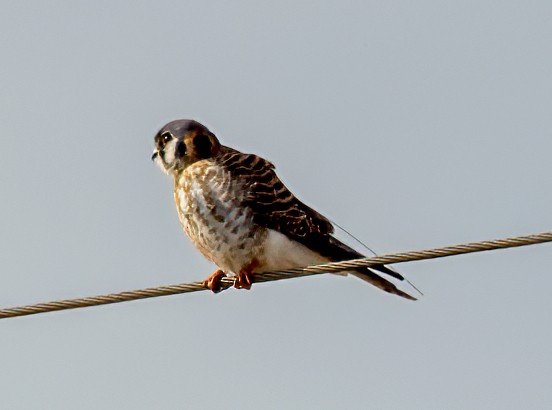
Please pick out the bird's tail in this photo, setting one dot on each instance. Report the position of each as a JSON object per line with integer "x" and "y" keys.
{"x": 337, "y": 250}
{"x": 379, "y": 282}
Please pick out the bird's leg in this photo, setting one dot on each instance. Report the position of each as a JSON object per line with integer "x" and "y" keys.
{"x": 244, "y": 278}
{"x": 213, "y": 282}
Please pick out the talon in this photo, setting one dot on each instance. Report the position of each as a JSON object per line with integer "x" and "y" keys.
{"x": 213, "y": 282}
{"x": 244, "y": 278}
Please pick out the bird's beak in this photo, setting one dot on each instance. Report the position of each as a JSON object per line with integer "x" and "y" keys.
{"x": 155, "y": 155}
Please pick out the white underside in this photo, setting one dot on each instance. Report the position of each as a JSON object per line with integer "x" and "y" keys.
{"x": 281, "y": 253}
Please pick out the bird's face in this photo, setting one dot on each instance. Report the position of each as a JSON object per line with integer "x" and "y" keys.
{"x": 181, "y": 143}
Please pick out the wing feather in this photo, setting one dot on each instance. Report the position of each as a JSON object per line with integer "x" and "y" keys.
{"x": 273, "y": 204}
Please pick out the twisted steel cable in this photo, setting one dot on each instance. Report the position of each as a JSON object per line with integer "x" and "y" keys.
{"x": 333, "y": 267}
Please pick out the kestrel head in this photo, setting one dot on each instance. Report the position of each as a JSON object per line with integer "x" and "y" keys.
{"x": 180, "y": 143}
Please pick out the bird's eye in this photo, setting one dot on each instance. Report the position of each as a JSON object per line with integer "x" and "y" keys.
{"x": 165, "y": 138}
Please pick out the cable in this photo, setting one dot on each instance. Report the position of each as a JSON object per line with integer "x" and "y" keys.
{"x": 272, "y": 276}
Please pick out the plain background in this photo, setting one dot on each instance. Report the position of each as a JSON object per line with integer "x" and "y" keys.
{"x": 412, "y": 124}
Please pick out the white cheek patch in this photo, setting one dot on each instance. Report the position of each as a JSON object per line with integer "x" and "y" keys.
{"x": 169, "y": 152}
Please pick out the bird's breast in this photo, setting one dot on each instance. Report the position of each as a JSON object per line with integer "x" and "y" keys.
{"x": 211, "y": 209}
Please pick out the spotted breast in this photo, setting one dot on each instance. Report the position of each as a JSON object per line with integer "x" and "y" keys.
{"x": 210, "y": 208}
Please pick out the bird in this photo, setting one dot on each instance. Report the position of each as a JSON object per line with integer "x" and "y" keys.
{"x": 241, "y": 216}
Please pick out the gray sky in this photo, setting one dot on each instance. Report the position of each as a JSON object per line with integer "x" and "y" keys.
{"x": 412, "y": 124}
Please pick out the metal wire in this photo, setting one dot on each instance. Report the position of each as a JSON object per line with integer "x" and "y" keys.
{"x": 272, "y": 276}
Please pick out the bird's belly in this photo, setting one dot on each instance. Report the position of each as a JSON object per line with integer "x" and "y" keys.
{"x": 280, "y": 253}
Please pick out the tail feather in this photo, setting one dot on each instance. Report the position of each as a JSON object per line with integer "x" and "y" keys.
{"x": 335, "y": 250}
{"x": 383, "y": 284}
{"x": 386, "y": 270}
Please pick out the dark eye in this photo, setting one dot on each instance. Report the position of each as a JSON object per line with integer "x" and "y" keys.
{"x": 165, "y": 138}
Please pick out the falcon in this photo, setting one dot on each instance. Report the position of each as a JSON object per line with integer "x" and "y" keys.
{"x": 240, "y": 216}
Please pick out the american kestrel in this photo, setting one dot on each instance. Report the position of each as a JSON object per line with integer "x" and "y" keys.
{"x": 240, "y": 215}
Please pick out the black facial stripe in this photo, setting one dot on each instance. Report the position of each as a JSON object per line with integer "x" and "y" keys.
{"x": 180, "y": 149}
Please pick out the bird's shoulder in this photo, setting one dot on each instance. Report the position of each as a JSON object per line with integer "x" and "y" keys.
{"x": 274, "y": 206}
